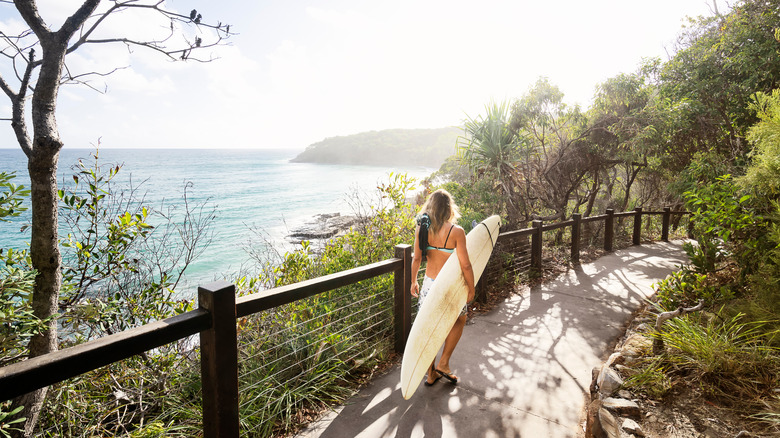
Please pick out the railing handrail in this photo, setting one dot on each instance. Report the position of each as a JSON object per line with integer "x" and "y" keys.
{"x": 41, "y": 371}
{"x": 267, "y": 299}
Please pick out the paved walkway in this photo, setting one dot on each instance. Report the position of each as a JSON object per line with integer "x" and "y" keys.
{"x": 525, "y": 367}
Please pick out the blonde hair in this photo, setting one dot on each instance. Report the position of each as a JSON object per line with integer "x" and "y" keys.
{"x": 441, "y": 208}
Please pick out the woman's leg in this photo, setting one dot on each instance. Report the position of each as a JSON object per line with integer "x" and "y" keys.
{"x": 449, "y": 344}
{"x": 432, "y": 376}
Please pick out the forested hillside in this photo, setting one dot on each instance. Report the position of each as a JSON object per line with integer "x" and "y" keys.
{"x": 408, "y": 147}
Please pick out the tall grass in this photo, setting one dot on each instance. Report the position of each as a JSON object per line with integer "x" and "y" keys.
{"x": 730, "y": 359}
{"x": 651, "y": 377}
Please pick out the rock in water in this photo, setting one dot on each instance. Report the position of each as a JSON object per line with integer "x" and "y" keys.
{"x": 324, "y": 226}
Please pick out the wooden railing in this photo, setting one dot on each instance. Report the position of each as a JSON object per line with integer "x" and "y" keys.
{"x": 215, "y": 321}
{"x": 524, "y": 246}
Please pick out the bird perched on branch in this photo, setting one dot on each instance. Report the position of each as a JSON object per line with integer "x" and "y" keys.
{"x": 193, "y": 13}
{"x": 197, "y": 19}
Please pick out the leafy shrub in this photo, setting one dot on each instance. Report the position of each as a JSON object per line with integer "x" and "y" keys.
{"x": 724, "y": 222}
{"x": 685, "y": 288}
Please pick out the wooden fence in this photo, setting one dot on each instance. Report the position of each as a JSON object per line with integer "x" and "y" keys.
{"x": 215, "y": 321}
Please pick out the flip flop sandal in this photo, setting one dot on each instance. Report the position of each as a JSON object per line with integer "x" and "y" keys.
{"x": 434, "y": 381}
{"x": 448, "y": 376}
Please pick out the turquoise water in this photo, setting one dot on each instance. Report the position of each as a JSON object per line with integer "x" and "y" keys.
{"x": 250, "y": 188}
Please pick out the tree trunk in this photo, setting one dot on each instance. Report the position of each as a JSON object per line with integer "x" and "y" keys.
{"x": 42, "y": 166}
{"x": 632, "y": 173}
{"x": 44, "y": 247}
{"x": 46, "y": 259}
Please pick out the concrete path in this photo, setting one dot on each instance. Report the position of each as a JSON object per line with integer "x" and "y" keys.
{"x": 524, "y": 368}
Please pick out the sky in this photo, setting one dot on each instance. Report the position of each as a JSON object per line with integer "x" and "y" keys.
{"x": 300, "y": 71}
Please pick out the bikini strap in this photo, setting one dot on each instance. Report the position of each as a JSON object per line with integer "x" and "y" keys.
{"x": 448, "y": 237}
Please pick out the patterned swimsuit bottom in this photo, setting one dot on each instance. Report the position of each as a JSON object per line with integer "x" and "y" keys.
{"x": 426, "y": 287}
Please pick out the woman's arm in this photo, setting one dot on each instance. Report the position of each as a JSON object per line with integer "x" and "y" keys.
{"x": 416, "y": 262}
{"x": 465, "y": 262}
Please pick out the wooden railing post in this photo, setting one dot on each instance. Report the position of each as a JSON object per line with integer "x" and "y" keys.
{"x": 667, "y": 220}
{"x": 219, "y": 361}
{"x": 575, "y": 238}
{"x": 536, "y": 246}
{"x": 637, "y": 237}
{"x": 402, "y": 310}
{"x": 609, "y": 230}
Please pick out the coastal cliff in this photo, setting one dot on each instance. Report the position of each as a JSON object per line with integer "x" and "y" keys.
{"x": 392, "y": 147}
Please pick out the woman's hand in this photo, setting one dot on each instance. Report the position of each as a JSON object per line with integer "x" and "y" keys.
{"x": 415, "y": 290}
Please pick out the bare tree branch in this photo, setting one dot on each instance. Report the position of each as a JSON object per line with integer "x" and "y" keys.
{"x": 17, "y": 46}
{"x": 75, "y": 21}
{"x": 69, "y": 78}
{"x": 17, "y": 51}
{"x": 17, "y": 107}
{"x": 658, "y": 343}
{"x": 223, "y": 31}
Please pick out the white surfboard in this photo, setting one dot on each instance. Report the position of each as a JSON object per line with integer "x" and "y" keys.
{"x": 443, "y": 304}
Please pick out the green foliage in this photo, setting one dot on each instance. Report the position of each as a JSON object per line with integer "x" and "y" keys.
{"x": 650, "y": 376}
{"x": 763, "y": 174}
{"x": 490, "y": 144}
{"x": 133, "y": 397}
{"x": 104, "y": 236}
{"x": 476, "y": 200}
{"x": 491, "y": 148}
{"x": 301, "y": 356}
{"x": 724, "y": 223}
{"x": 623, "y": 119}
{"x": 720, "y": 63}
{"x": 11, "y": 196}
{"x": 684, "y": 288}
{"x": 8, "y": 423}
{"x": 158, "y": 429}
{"x": 730, "y": 358}
{"x": 704, "y": 253}
{"x": 554, "y": 158}
{"x": 17, "y": 322}
{"x": 119, "y": 270}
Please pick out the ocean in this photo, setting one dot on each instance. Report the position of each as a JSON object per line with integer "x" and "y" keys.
{"x": 250, "y": 189}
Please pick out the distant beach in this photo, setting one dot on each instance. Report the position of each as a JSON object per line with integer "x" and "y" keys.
{"x": 252, "y": 189}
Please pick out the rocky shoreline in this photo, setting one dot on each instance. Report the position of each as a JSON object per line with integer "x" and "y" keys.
{"x": 322, "y": 227}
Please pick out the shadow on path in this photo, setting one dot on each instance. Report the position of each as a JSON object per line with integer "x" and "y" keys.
{"x": 525, "y": 367}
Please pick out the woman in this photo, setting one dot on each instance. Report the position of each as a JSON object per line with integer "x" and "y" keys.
{"x": 435, "y": 239}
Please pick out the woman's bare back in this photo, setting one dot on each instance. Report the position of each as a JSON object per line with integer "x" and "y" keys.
{"x": 436, "y": 258}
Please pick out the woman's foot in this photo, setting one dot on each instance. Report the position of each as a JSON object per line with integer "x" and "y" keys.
{"x": 430, "y": 381}
{"x": 447, "y": 375}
